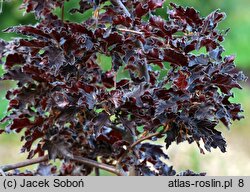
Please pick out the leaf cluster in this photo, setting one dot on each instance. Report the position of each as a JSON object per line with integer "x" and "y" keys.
{"x": 178, "y": 86}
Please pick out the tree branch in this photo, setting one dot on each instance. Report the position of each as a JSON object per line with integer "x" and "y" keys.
{"x": 93, "y": 163}
{"x": 24, "y": 163}
{"x": 83, "y": 160}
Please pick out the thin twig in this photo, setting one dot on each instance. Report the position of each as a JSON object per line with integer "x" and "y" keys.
{"x": 131, "y": 31}
{"x": 134, "y": 144}
{"x": 161, "y": 39}
{"x": 142, "y": 33}
{"x": 144, "y": 138}
{"x": 62, "y": 16}
{"x": 167, "y": 127}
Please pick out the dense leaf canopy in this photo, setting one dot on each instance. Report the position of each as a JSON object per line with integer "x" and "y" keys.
{"x": 178, "y": 86}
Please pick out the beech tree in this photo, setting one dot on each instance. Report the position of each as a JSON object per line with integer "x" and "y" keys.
{"x": 100, "y": 94}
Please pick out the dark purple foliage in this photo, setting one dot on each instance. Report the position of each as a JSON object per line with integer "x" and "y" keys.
{"x": 68, "y": 104}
